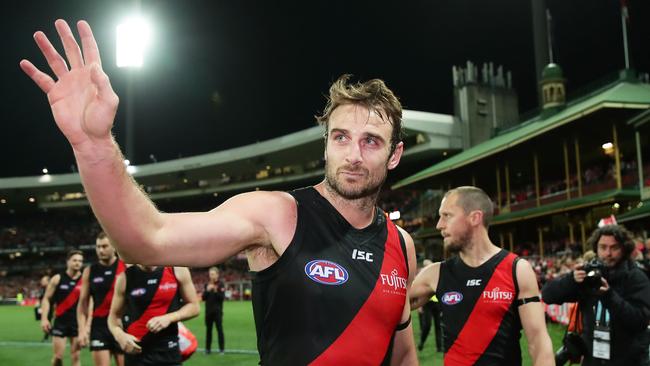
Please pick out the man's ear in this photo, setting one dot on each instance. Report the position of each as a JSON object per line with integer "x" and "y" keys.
{"x": 394, "y": 159}
{"x": 476, "y": 217}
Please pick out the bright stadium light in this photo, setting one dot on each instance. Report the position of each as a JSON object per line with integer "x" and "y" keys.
{"x": 133, "y": 37}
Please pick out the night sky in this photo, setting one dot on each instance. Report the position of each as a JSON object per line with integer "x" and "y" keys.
{"x": 222, "y": 74}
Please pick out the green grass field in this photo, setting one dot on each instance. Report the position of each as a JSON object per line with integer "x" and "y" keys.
{"x": 20, "y": 339}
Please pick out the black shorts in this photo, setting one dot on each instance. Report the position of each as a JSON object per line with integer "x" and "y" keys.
{"x": 101, "y": 338}
{"x": 155, "y": 357}
{"x": 64, "y": 328}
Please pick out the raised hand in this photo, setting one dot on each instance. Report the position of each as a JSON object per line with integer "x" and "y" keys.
{"x": 82, "y": 100}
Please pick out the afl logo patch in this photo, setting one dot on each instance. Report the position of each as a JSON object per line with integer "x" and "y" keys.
{"x": 452, "y": 298}
{"x": 326, "y": 272}
{"x": 138, "y": 292}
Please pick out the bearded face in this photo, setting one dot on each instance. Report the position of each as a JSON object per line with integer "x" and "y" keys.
{"x": 357, "y": 155}
{"x": 453, "y": 224}
{"x": 354, "y": 182}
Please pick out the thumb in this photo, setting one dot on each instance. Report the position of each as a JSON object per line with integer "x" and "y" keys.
{"x": 103, "y": 84}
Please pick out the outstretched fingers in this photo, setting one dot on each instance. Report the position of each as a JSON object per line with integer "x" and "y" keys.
{"x": 72, "y": 51}
{"x": 56, "y": 62}
{"x": 88, "y": 43}
{"x": 43, "y": 80}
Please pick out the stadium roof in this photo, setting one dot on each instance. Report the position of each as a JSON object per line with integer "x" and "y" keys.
{"x": 428, "y": 135}
{"x": 620, "y": 94}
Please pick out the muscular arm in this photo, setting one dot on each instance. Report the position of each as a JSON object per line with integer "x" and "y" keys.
{"x": 126, "y": 341}
{"x": 190, "y": 307}
{"x": 45, "y": 303}
{"x": 404, "y": 353}
{"x": 83, "y": 309}
{"x": 425, "y": 285}
{"x": 532, "y": 317}
{"x": 84, "y": 104}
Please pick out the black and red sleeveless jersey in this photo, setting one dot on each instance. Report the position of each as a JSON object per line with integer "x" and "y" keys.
{"x": 480, "y": 320}
{"x": 151, "y": 294}
{"x": 66, "y": 298}
{"x": 102, "y": 285}
{"x": 336, "y": 295}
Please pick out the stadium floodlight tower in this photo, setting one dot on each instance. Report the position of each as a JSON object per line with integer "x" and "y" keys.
{"x": 133, "y": 39}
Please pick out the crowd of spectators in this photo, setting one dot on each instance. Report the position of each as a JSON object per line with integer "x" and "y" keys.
{"x": 595, "y": 178}
{"x": 44, "y": 229}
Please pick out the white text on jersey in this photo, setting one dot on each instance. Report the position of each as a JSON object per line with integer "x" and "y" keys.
{"x": 362, "y": 255}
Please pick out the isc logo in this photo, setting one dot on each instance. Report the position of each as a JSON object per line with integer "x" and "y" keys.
{"x": 326, "y": 272}
{"x": 362, "y": 255}
{"x": 474, "y": 282}
{"x": 452, "y": 298}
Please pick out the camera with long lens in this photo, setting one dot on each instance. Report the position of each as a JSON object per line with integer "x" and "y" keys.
{"x": 573, "y": 347}
{"x": 595, "y": 270}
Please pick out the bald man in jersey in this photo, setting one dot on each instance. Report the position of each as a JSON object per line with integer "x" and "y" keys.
{"x": 486, "y": 293}
{"x": 331, "y": 270}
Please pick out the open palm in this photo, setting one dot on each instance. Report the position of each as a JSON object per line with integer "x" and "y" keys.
{"x": 82, "y": 100}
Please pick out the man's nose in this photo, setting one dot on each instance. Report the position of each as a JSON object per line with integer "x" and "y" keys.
{"x": 354, "y": 154}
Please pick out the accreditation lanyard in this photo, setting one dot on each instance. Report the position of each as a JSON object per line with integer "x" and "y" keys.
{"x": 601, "y": 333}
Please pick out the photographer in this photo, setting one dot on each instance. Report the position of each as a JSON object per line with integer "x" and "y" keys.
{"x": 613, "y": 297}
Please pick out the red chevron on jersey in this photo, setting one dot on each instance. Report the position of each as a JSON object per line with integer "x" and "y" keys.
{"x": 373, "y": 326}
{"x": 70, "y": 300}
{"x": 159, "y": 304}
{"x": 483, "y": 323}
{"x": 102, "y": 310}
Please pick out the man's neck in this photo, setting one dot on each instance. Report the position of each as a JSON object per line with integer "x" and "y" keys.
{"x": 478, "y": 251}
{"x": 359, "y": 212}
{"x": 71, "y": 273}
{"x": 109, "y": 262}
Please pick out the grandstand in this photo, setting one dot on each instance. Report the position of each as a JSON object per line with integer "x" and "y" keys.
{"x": 285, "y": 162}
{"x": 556, "y": 174}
